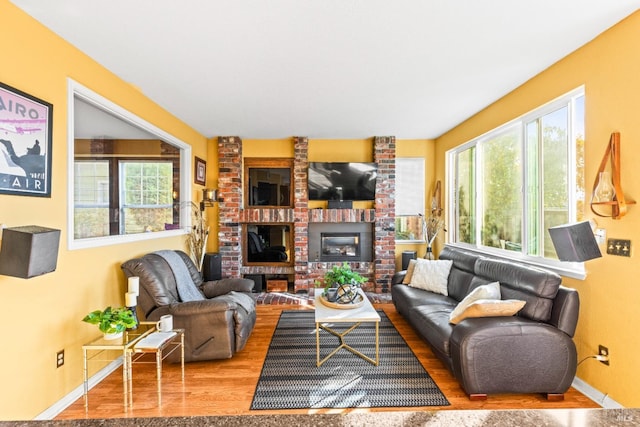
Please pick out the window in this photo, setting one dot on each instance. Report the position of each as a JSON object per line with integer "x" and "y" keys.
{"x": 409, "y": 198}
{"x": 146, "y": 195}
{"x": 513, "y": 183}
{"x": 127, "y": 175}
{"x": 91, "y": 199}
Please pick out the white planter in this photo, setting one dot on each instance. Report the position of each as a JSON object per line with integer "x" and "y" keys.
{"x": 112, "y": 336}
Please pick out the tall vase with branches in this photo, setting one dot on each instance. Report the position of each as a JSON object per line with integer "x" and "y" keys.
{"x": 198, "y": 235}
{"x": 434, "y": 223}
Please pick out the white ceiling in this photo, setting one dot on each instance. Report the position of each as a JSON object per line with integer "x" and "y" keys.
{"x": 326, "y": 68}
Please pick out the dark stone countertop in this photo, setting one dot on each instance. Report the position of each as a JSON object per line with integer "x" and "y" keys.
{"x": 506, "y": 418}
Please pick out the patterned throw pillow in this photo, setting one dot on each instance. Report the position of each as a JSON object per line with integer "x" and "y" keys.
{"x": 431, "y": 275}
{"x": 409, "y": 274}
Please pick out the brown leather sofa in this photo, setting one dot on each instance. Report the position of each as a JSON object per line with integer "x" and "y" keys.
{"x": 531, "y": 352}
{"x": 216, "y": 327}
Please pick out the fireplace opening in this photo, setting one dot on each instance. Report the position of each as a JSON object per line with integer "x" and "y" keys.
{"x": 339, "y": 246}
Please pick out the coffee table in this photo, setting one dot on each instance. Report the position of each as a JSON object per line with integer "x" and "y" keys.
{"x": 326, "y": 316}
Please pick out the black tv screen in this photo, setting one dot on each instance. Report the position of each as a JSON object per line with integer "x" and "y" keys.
{"x": 342, "y": 180}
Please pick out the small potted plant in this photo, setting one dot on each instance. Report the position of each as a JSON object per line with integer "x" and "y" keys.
{"x": 341, "y": 283}
{"x": 112, "y": 322}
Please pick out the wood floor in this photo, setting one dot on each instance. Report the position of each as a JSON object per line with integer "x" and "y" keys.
{"x": 225, "y": 387}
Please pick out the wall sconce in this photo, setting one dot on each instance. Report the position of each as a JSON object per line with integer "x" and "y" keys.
{"x": 575, "y": 242}
{"x": 209, "y": 197}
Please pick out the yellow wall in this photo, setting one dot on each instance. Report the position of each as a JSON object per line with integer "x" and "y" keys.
{"x": 609, "y": 67}
{"x": 42, "y": 315}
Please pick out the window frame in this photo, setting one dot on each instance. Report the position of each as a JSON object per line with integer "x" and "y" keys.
{"x": 77, "y": 90}
{"x": 418, "y": 194}
{"x": 569, "y": 269}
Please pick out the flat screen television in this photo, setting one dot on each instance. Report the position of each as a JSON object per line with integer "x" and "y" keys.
{"x": 342, "y": 180}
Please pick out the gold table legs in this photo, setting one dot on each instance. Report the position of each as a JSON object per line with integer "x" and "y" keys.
{"x": 343, "y": 344}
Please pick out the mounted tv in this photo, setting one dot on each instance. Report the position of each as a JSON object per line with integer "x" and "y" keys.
{"x": 342, "y": 180}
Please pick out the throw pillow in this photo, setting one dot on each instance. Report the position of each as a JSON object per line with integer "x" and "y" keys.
{"x": 490, "y": 308}
{"x": 431, "y": 275}
{"x": 409, "y": 275}
{"x": 488, "y": 291}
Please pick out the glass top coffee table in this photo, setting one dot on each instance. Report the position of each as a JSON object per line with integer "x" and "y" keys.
{"x": 326, "y": 316}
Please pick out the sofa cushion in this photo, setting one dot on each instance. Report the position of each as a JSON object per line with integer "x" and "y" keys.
{"x": 431, "y": 275}
{"x": 488, "y": 291}
{"x": 462, "y": 271}
{"x": 405, "y": 297}
{"x": 536, "y": 286}
{"x": 431, "y": 322}
{"x": 489, "y": 308}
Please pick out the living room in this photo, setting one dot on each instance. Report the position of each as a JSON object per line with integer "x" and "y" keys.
{"x": 88, "y": 278}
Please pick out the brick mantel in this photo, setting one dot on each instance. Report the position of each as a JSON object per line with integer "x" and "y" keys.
{"x": 232, "y": 216}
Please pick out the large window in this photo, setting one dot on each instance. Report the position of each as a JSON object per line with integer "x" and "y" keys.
{"x": 146, "y": 196}
{"x": 513, "y": 183}
{"x": 129, "y": 178}
{"x": 409, "y": 198}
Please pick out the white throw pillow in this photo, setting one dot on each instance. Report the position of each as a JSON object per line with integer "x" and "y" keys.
{"x": 488, "y": 291}
{"x": 431, "y": 275}
{"x": 491, "y": 308}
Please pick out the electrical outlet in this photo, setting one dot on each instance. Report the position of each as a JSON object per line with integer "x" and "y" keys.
{"x": 604, "y": 351}
{"x": 619, "y": 247}
{"x": 59, "y": 358}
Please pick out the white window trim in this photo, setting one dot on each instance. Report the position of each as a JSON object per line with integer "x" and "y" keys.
{"x": 75, "y": 89}
{"x": 574, "y": 270}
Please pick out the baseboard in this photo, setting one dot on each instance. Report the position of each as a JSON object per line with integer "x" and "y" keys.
{"x": 597, "y": 396}
{"x": 77, "y": 393}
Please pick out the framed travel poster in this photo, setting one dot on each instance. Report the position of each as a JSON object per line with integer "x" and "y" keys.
{"x": 25, "y": 143}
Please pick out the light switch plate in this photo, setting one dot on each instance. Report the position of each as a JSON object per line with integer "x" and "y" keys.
{"x": 619, "y": 247}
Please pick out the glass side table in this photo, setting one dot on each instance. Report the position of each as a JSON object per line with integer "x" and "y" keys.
{"x": 162, "y": 348}
{"x": 109, "y": 350}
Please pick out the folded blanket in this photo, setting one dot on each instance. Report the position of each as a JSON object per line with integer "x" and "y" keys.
{"x": 187, "y": 290}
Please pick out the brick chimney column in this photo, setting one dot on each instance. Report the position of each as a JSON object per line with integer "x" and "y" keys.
{"x": 230, "y": 190}
{"x": 301, "y": 213}
{"x": 385, "y": 211}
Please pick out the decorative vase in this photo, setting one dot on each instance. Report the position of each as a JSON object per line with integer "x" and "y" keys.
{"x": 604, "y": 191}
{"x": 134, "y": 312}
{"x": 346, "y": 294}
{"x": 429, "y": 253}
{"x": 112, "y": 336}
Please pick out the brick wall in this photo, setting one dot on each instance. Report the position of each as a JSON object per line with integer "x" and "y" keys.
{"x": 305, "y": 273}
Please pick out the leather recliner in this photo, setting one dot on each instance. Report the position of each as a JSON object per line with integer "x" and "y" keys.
{"x": 259, "y": 253}
{"x": 216, "y": 327}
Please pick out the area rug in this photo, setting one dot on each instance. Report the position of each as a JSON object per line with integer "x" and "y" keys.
{"x": 291, "y": 380}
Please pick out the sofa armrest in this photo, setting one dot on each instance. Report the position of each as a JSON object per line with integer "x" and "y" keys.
{"x": 192, "y": 308}
{"x": 216, "y": 288}
{"x": 566, "y": 307}
{"x": 511, "y": 355}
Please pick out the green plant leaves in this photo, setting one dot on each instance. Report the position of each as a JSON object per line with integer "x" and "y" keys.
{"x": 111, "y": 320}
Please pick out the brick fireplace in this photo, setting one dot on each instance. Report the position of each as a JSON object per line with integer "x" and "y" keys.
{"x": 378, "y": 222}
